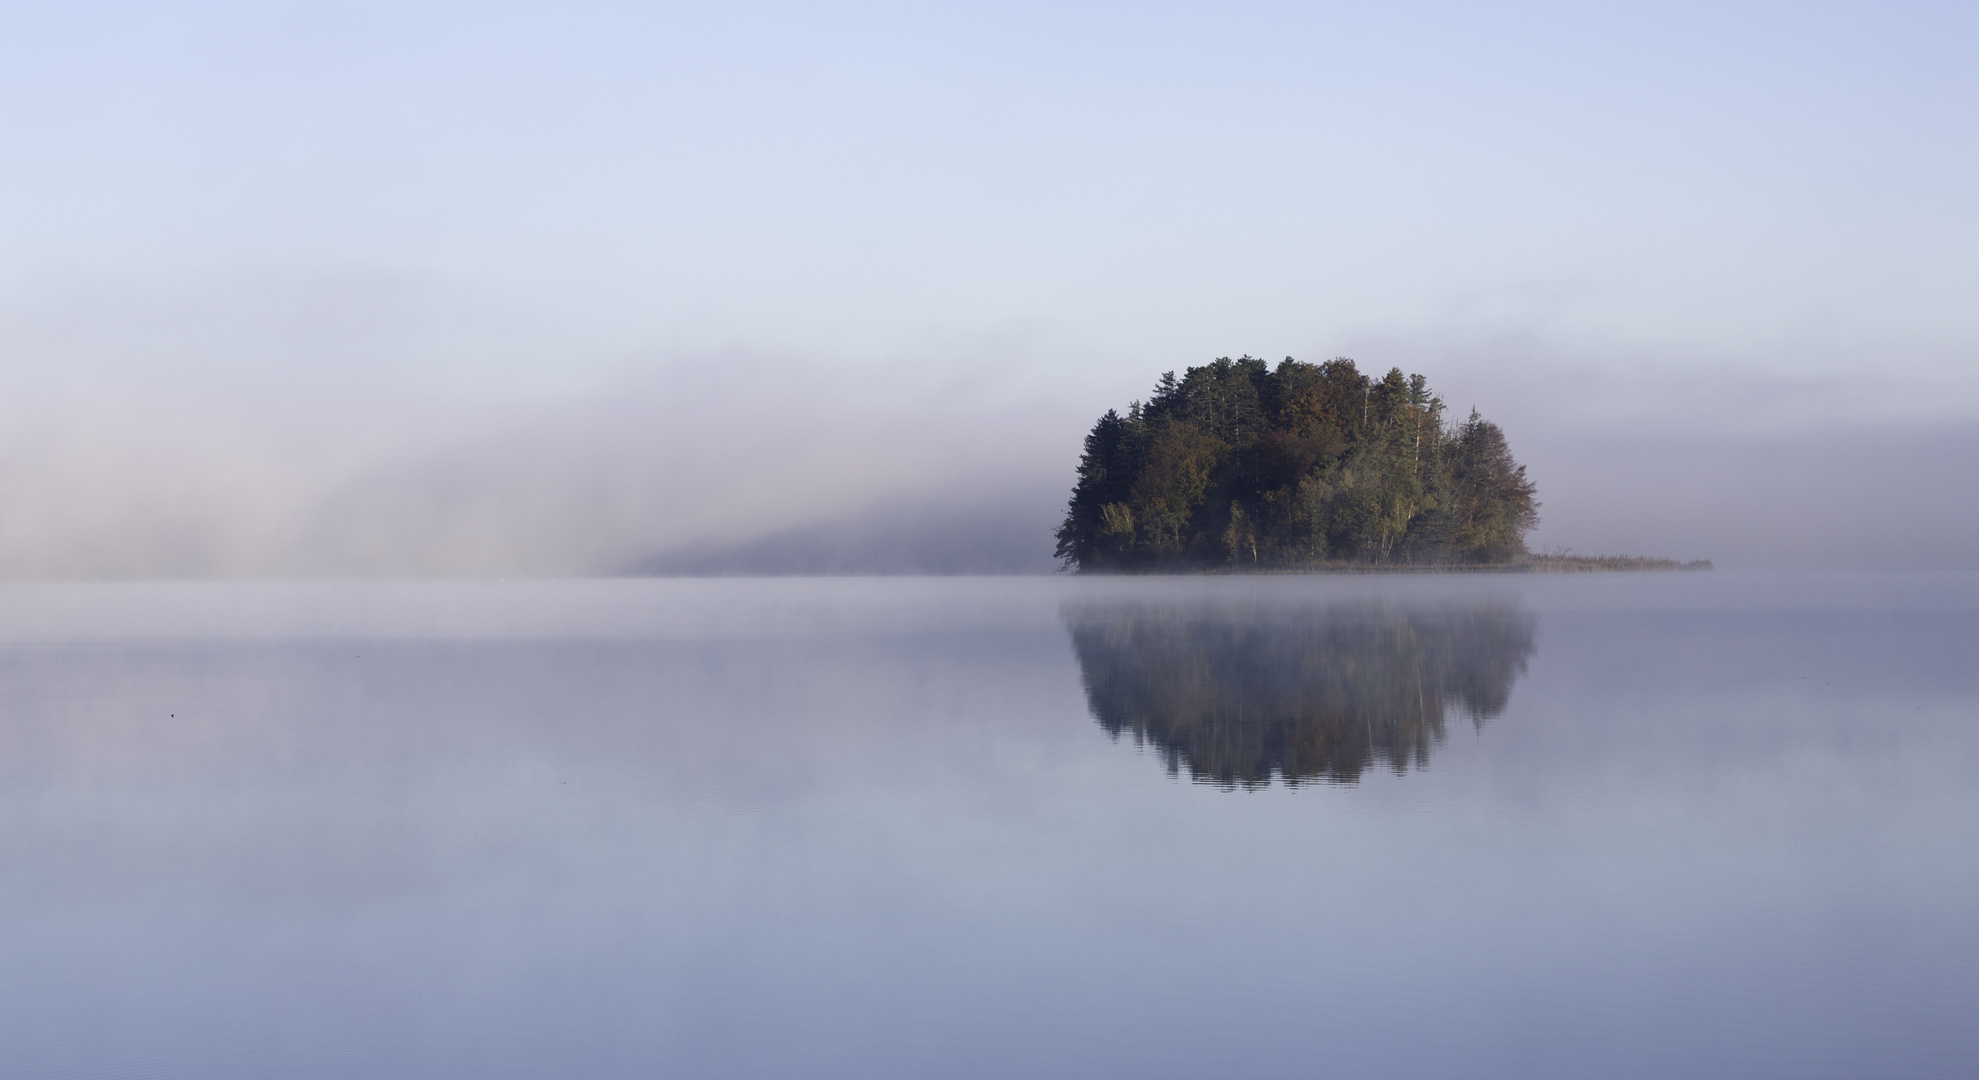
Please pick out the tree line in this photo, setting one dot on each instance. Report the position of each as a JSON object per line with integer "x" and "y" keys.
{"x": 1238, "y": 464}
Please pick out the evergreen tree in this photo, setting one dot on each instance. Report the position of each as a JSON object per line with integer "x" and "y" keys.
{"x": 1238, "y": 463}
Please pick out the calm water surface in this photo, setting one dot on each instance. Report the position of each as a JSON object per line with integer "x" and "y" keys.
{"x": 1607, "y": 825}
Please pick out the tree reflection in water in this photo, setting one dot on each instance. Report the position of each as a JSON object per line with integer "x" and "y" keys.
{"x": 1238, "y": 693}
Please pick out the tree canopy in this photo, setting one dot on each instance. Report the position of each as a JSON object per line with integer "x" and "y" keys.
{"x": 1238, "y": 464}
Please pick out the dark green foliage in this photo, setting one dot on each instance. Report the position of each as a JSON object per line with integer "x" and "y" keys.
{"x": 1240, "y": 694}
{"x": 1241, "y": 465}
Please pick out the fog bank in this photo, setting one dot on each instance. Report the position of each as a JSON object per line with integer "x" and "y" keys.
{"x": 1841, "y": 495}
{"x": 766, "y": 469}
{"x": 686, "y": 474}
{"x": 430, "y": 289}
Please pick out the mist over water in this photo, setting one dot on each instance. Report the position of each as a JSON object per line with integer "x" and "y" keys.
{"x": 772, "y": 470}
{"x": 408, "y": 435}
{"x": 857, "y": 828}
{"x": 418, "y": 289}
{"x": 690, "y": 475}
{"x": 526, "y": 543}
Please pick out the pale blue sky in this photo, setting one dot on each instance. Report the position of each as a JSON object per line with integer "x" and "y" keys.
{"x": 1582, "y": 218}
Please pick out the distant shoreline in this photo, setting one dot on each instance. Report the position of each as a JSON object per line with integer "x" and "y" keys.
{"x": 1531, "y": 564}
{"x": 1580, "y": 564}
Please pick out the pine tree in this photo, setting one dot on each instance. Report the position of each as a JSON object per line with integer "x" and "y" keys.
{"x": 1237, "y": 463}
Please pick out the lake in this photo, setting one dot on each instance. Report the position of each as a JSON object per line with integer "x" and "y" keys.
{"x": 1706, "y": 825}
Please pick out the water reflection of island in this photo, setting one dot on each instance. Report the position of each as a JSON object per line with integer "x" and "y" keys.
{"x": 1306, "y": 692}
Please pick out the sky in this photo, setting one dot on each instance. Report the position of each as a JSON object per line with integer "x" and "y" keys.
{"x": 432, "y": 289}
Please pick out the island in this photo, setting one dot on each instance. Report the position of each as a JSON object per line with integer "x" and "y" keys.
{"x": 1239, "y": 465}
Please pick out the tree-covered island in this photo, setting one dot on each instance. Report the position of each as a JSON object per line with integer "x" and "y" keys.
{"x": 1244, "y": 466}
